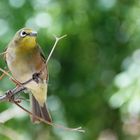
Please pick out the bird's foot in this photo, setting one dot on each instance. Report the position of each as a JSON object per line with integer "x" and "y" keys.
{"x": 36, "y": 77}
{"x": 11, "y": 97}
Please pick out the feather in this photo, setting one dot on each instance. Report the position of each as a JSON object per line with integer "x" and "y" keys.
{"x": 39, "y": 111}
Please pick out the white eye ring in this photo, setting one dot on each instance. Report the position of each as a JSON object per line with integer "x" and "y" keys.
{"x": 23, "y": 33}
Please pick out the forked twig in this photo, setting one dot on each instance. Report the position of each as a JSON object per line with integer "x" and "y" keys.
{"x": 56, "y": 41}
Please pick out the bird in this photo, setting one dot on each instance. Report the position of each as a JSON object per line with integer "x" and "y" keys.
{"x": 25, "y": 58}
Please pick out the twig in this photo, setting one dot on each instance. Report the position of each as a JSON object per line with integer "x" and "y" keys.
{"x": 50, "y": 54}
{"x": 6, "y": 73}
{"x": 3, "y": 74}
{"x": 18, "y": 90}
{"x": 56, "y": 41}
{"x": 78, "y": 129}
{"x": 15, "y": 91}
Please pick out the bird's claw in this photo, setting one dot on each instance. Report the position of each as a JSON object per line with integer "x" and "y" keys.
{"x": 17, "y": 101}
{"x": 11, "y": 97}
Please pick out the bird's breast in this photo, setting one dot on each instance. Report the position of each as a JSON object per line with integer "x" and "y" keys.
{"x": 22, "y": 66}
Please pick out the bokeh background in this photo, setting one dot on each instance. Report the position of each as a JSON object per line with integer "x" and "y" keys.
{"x": 94, "y": 71}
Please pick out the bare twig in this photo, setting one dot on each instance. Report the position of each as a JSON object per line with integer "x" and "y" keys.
{"x": 16, "y": 90}
{"x": 3, "y": 74}
{"x": 6, "y": 73}
{"x": 56, "y": 41}
{"x": 78, "y": 129}
{"x": 10, "y": 77}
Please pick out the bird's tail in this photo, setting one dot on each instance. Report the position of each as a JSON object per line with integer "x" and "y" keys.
{"x": 39, "y": 111}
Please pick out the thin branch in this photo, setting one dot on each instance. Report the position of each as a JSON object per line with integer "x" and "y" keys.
{"x": 11, "y": 77}
{"x": 78, "y": 129}
{"x": 3, "y": 74}
{"x": 15, "y": 91}
{"x": 6, "y": 73}
{"x": 18, "y": 90}
{"x": 57, "y": 39}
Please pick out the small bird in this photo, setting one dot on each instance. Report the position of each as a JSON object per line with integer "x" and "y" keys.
{"x": 24, "y": 58}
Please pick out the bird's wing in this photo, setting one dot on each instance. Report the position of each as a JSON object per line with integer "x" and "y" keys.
{"x": 44, "y": 60}
{"x": 41, "y": 53}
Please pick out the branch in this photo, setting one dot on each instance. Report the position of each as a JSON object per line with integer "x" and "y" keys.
{"x": 56, "y": 41}
{"x": 10, "y": 93}
{"x": 78, "y": 129}
{"x": 17, "y": 90}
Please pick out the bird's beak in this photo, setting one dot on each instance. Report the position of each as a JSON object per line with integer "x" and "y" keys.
{"x": 33, "y": 33}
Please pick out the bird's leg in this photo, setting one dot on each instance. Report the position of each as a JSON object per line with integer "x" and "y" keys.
{"x": 11, "y": 97}
{"x": 9, "y": 94}
{"x": 17, "y": 100}
{"x": 36, "y": 77}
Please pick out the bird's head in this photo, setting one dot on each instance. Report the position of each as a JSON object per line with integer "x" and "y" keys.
{"x": 25, "y": 38}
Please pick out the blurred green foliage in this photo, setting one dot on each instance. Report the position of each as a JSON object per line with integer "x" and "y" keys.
{"x": 94, "y": 72}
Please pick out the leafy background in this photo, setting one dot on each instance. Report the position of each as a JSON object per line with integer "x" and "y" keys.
{"x": 94, "y": 72}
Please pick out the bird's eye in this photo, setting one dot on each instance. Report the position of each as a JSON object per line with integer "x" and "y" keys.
{"x": 23, "y": 33}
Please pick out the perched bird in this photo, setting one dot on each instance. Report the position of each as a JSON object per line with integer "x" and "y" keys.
{"x": 24, "y": 58}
